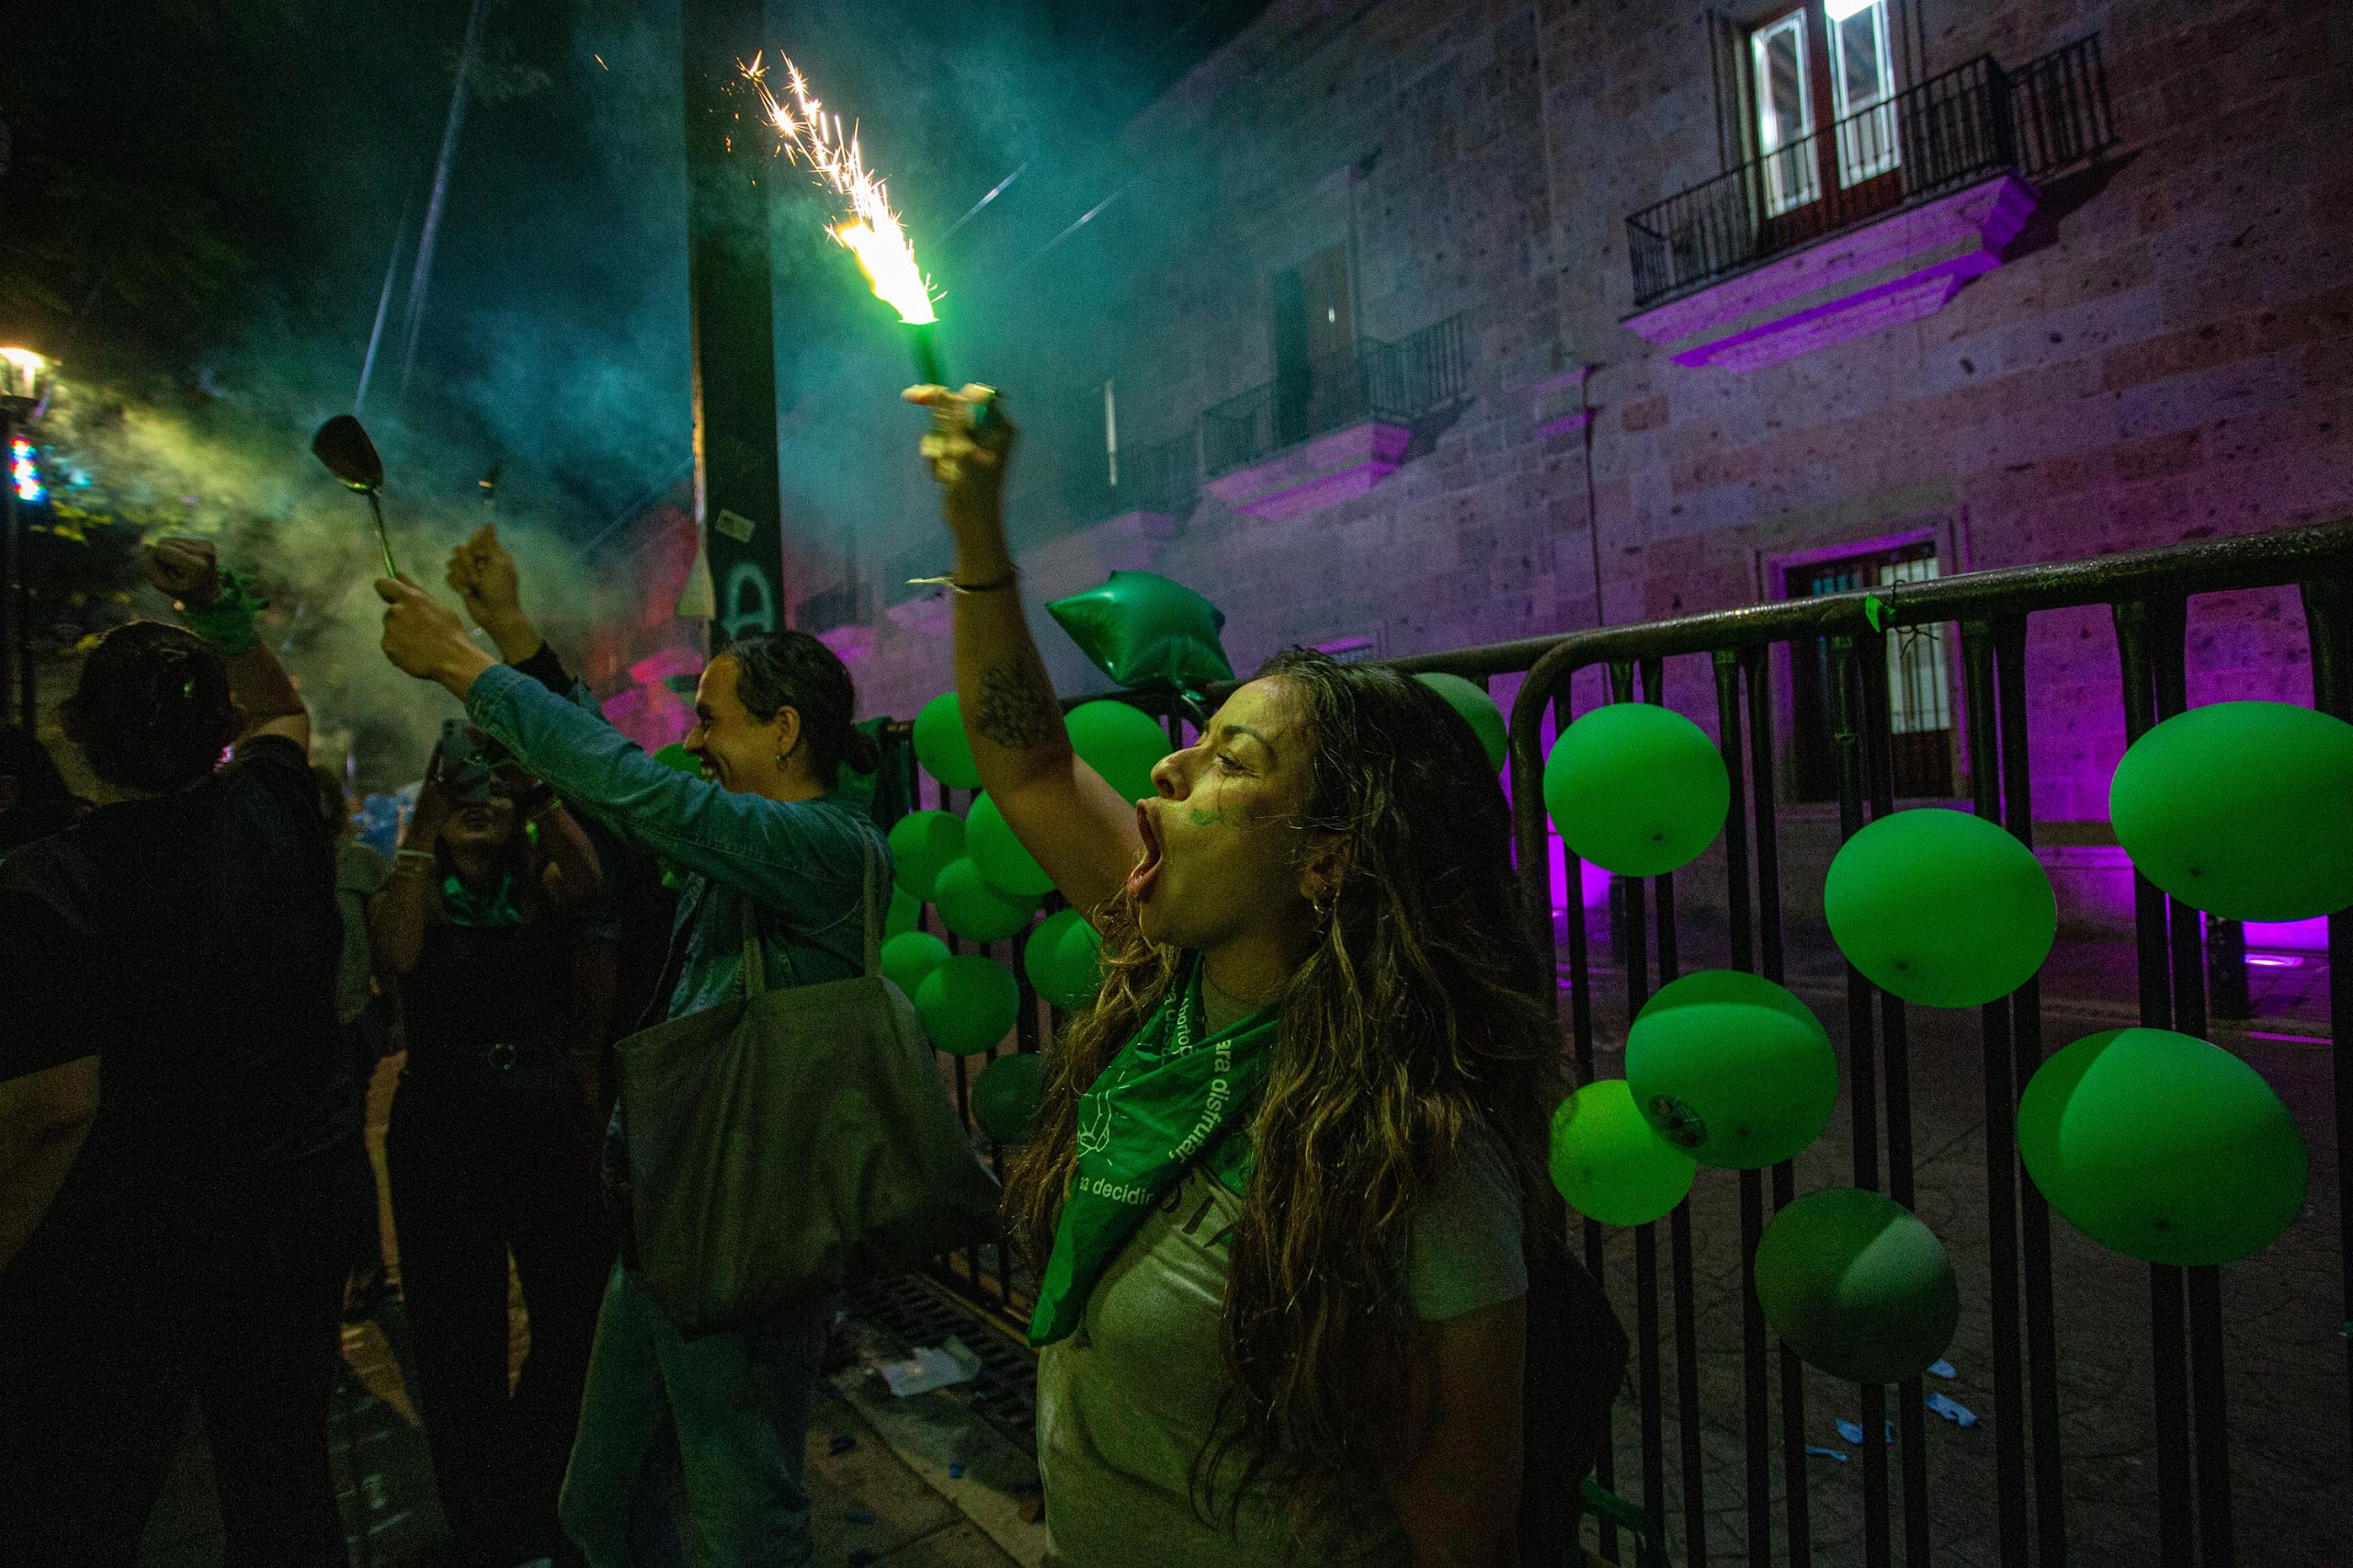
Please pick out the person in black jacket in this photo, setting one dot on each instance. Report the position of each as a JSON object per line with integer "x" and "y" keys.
{"x": 175, "y": 1104}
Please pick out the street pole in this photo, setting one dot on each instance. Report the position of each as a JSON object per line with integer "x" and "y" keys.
{"x": 738, "y": 489}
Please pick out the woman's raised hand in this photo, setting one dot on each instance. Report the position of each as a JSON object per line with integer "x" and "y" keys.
{"x": 182, "y": 569}
{"x": 968, "y": 445}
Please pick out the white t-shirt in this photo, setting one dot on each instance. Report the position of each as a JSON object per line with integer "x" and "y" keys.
{"x": 1125, "y": 1402}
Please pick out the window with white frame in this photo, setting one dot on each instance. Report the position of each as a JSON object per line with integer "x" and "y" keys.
{"x": 1833, "y": 54}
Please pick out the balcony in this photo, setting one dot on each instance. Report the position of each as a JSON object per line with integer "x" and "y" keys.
{"x": 1878, "y": 218}
{"x": 1335, "y": 428}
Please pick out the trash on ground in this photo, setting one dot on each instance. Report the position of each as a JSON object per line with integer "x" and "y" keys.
{"x": 931, "y": 1366}
{"x": 1829, "y": 1453}
{"x": 955, "y": 1473}
{"x": 1942, "y": 1368}
{"x": 1951, "y": 1409}
{"x": 1853, "y": 1432}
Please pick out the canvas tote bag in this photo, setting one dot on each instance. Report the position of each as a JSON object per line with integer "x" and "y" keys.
{"x": 792, "y": 1142}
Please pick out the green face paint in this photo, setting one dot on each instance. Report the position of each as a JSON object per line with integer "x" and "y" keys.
{"x": 1200, "y": 818}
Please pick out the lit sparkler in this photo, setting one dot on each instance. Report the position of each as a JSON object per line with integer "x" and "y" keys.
{"x": 809, "y": 135}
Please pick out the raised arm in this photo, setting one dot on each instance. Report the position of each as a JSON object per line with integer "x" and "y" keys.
{"x": 220, "y": 611}
{"x": 483, "y": 574}
{"x": 1082, "y": 832}
{"x": 781, "y": 853}
{"x": 400, "y": 912}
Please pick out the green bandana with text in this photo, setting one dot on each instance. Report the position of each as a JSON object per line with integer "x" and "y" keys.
{"x": 1168, "y": 1099}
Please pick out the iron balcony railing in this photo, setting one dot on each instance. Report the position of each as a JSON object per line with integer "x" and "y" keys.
{"x": 1163, "y": 477}
{"x": 1970, "y": 123}
{"x": 1697, "y": 1287}
{"x": 1373, "y": 379}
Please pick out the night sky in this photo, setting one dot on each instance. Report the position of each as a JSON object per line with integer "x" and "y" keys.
{"x": 202, "y": 197}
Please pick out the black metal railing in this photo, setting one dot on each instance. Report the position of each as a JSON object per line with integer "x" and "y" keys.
{"x": 2186, "y": 1515}
{"x": 2147, "y": 596}
{"x": 1163, "y": 477}
{"x": 1373, "y": 379}
{"x": 1966, "y": 124}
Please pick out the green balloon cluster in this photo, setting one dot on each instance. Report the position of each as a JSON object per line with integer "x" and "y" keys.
{"x": 968, "y": 1004}
{"x": 1470, "y": 699}
{"x": 1940, "y": 907}
{"x": 1856, "y": 1284}
{"x": 1732, "y": 1069}
{"x": 1142, "y": 630}
{"x": 1119, "y": 742}
{"x": 941, "y": 746}
{"x": 2240, "y": 809}
{"x": 907, "y": 960}
{"x": 1064, "y": 960}
{"x": 1610, "y": 1163}
{"x": 1003, "y": 861}
{"x": 906, "y": 914}
{"x": 974, "y": 909}
{"x": 1636, "y": 788}
{"x": 2163, "y": 1147}
{"x": 1006, "y": 1095}
{"x": 921, "y": 844}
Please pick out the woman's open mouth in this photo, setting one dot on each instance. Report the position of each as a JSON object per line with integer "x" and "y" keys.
{"x": 1147, "y": 868}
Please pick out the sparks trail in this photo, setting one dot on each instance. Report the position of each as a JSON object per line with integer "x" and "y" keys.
{"x": 808, "y": 135}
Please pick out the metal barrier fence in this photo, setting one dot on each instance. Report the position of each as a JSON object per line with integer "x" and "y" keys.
{"x": 2147, "y": 594}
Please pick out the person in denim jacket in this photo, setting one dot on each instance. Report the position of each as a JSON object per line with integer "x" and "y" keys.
{"x": 772, "y": 732}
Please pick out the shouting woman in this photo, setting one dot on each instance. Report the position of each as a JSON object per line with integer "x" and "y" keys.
{"x": 1279, "y": 1190}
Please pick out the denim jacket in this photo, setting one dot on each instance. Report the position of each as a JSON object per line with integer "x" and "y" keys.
{"x": 801, "y": 863}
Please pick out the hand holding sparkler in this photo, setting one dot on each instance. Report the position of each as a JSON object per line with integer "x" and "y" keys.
{"x": 969, "y": 445}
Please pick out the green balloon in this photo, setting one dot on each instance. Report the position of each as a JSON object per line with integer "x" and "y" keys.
{"x": 1141, "y": 628}
{"x": 921, "y": 842}
{"x": 1732, "y": 1069}
{"x": 1003, "y": 863}
{"x": 907, "y": 958}
{"x": 1006, "y": 1095}
{"x": 973, "y": 910}
{"x": 1468, "y": 699}
{"x": 906, "y": 915}
{"x": 1119, "y": 742}
{"x": 941, "y": 746}
{"x": 1609, "y": 1161}
{"x": 968, "y": 1004}
{"x": 1856, "y": 1284}
{"x": 678, "y": 759}
{"x": 1940, "y": 907}
{"x": 2241, "y": 810}
{"x": 1064, "y": 960}
{"x": 2161, "y": 1147}
{"x": 1636, "y": 788}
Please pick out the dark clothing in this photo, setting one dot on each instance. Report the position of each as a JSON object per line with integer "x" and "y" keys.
{"x": 130, "y": 1298}
{"x": 483, "y": 1162}
{"x": 190, "y": 942}
{"x": 203, "y": 938}
{"x": 490, "y": 1151}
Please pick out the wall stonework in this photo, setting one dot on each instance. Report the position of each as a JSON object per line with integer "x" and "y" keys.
{"x": 2167, "y": 353}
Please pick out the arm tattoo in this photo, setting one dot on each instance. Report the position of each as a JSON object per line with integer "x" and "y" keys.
{"x": 1013, "y": 711}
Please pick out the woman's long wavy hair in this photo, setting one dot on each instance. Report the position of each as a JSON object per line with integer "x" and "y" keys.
{"x": 1424, "y": 1008}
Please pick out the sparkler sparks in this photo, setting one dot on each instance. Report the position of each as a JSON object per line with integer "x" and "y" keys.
{"x": 809, "y": 135}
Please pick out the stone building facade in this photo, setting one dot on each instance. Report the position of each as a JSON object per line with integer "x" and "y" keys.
{"x": 2136, "y": 337}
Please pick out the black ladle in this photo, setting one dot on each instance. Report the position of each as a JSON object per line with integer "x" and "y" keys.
{"x": 342, "y": 444}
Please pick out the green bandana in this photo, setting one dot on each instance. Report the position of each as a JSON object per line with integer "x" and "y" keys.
{"x": 466, "y": 907}
{"x": 1168, "y": 1099}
